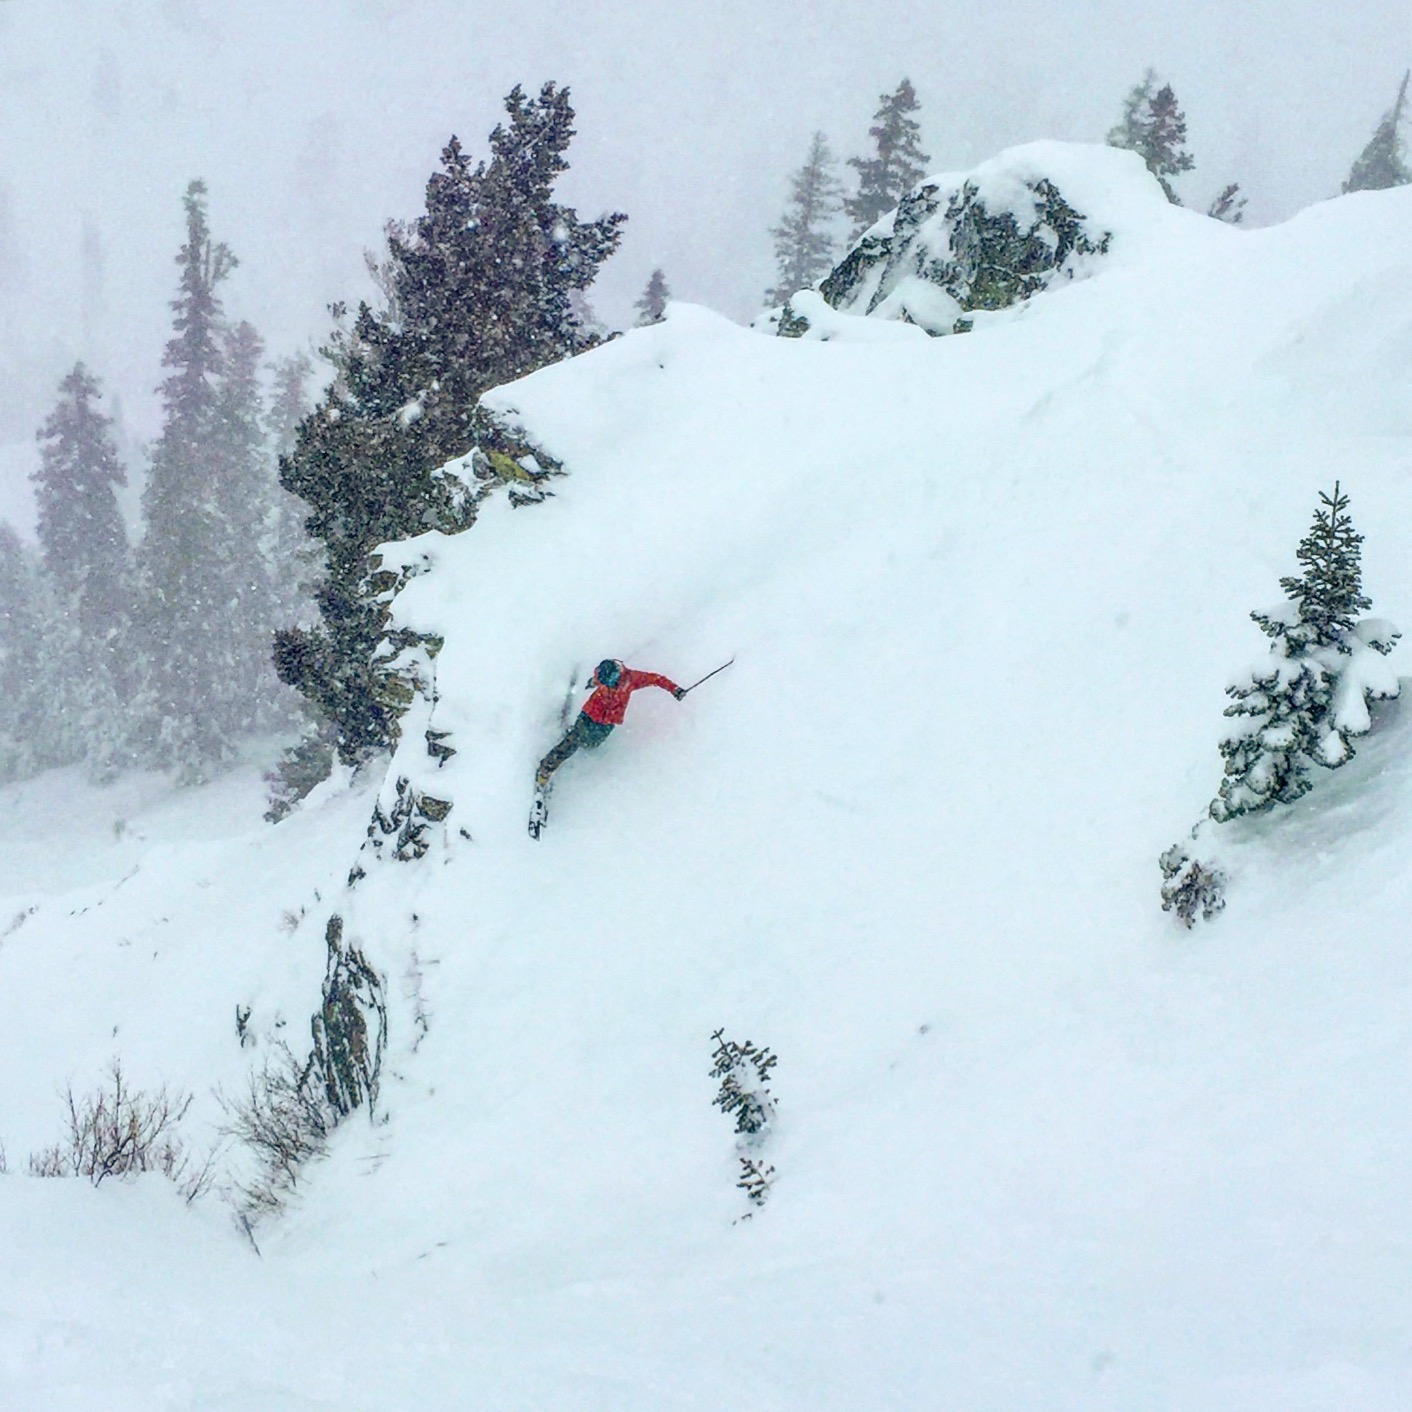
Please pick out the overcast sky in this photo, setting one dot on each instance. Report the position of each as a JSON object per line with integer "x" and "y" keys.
{"x": 313, "y": 122}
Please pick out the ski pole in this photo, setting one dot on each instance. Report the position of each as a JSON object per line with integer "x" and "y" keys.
{"x": 707, "y": 677}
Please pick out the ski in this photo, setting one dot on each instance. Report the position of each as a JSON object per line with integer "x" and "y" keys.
{"x": 539, "y": 812}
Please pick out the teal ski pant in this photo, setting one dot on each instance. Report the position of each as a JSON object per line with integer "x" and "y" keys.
{"x": 584, "y": 734}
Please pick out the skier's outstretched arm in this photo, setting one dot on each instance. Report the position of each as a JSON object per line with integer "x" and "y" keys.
{"x": 640, "y": 679}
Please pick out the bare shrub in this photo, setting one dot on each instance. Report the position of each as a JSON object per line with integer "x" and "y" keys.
{"x": 117, "y": 1131}
{"x": 283, "y": 1120}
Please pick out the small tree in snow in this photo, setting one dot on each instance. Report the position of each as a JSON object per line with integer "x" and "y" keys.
{"x": 1190, "y": 888}
{"x": 651, "y": 305}
{"x": 1382, "y": 163}
{"x": 1310, "y": 698}
{"x": 897, "y": 164}
{"x": 744, "y": 1094}
{"x": 804, "y": 238}
{"x": 1154, "y": 126}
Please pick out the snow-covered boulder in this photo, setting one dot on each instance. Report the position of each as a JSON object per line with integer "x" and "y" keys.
{"x": 979, "y": 241}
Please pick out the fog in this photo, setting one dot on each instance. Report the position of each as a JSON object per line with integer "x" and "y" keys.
{"x": 314, "y": 124}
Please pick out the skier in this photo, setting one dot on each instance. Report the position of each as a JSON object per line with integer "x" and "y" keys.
{"x": 614, "y": 683}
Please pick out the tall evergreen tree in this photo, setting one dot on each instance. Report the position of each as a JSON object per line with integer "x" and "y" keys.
{"x": 480, "y": 291}
{"x": 80, "y": 527}
{"x": 897, "y": 163}
{"x": 185, "y": 558}
{"x": 1382, "y": 163}
{"x": 84, "y": 548}
{"x": 245, "y": 471}
{"x": 1154, "y": 126}
{"x": 805, "y": 236}
{"x": 1309, "y": 700}
{"x": 651, "y": 305}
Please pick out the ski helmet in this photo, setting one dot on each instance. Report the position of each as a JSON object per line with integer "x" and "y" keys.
{"x": 608, "y": 673}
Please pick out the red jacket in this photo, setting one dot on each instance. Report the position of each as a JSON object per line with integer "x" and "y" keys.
{"x": 608, "y": 703}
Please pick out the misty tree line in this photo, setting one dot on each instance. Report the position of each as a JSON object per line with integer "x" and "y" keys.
{"x": 156, "y": 654}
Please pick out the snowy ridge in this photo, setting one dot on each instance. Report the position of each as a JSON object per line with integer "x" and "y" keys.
{"x": 1037, "y": 1148}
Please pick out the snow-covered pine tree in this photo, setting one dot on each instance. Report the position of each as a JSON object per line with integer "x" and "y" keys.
{"x": 84, "y": 549}
{"x": 185, "y": 560}
{"x": 897, "y": 163}
{"x": 1154, "y": 126}
{"x": 651, "y": 304}
{"x": 479, "y": 291}
{"x": 1311, "y": 698}
{"x": 805, "y": 238}
{"x": 1382, "y": 163}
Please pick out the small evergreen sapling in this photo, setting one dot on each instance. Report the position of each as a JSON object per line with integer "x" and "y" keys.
{"x": 1154, "y": 126}
{"x": 1310, "y": 698}
{"x": 756, "y": 1179}
{"x": 744, "y": 1073}
{"x": 651, "y": 305}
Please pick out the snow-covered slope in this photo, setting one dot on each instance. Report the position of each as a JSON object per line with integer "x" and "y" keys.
{"x": 1036, "y": 1146}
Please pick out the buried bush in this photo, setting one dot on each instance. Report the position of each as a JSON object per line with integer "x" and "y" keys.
{"x": 1190, "y": 887}
{"x": 119, "y": 1131}
{"x": 283, "y": 1120}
